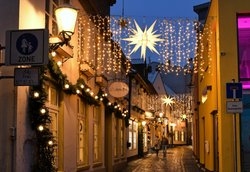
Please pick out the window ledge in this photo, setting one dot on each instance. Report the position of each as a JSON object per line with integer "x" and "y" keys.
{"x": 97, "y": 164}
{"x": 83, "y": 167}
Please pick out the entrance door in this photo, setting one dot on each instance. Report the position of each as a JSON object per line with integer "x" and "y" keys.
{"x": 108, "y": 141}
{"x": 216, "y": 153}
{"x": 245, "y": 133}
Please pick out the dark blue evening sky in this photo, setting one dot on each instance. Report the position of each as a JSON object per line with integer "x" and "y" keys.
{"x": 157, "y": 8}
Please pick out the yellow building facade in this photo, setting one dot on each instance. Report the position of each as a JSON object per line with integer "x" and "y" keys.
{"x": 217, "y": 132}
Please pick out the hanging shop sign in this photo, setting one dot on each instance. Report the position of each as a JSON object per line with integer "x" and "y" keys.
{"x": 27, "y": 47}
{"x": 118, "y": 89}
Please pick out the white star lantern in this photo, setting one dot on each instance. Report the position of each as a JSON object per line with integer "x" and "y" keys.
{"x": 167, "y": 100}
{"x": 144, "y": 39}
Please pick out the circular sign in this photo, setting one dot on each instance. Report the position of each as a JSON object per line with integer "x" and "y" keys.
{"x": 26, "y": 44}
{"x": 118, "y": 89}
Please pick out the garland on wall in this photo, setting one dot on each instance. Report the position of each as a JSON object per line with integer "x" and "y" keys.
{"x": 40, "y": 118}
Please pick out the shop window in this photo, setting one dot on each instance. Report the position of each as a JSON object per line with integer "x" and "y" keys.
{"x": 176, "y": 135}
{"x": 244, "y": 49}
{"x": 82, "y": 139}
{"x": 130, "y": 134}
{"x": 133, "y": 134}
{"x": 182, "y": 136}
{"x": 145, "y": 138}
{"x": 135, "y": 127}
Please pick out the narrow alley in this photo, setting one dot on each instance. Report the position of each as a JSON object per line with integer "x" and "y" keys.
{"x": 178, "y": 159}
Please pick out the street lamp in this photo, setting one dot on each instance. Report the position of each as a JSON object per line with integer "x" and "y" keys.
{"x": 66, "y": 19}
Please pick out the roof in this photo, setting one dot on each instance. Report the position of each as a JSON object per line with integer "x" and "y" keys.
{"x": 152, "y": 76}
{"x": 169, "y": 90}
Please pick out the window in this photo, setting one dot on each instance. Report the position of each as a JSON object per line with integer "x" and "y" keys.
{"x": 133, "y": 134}
{"x": 97, "y": 134}
{"x": 82, "y": 139}
{"x": 176, "y": 135}
{"x": 50, "y": 20}
{"x": 244, "y": 49}
{"x": 145, "y": 142}
{"x": 182, "y": 136}
{"x": 53, "y": 107}
{"x": 130, "y": 134}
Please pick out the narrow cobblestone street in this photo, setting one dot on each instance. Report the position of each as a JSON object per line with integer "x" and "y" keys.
{"x": 178, "y": 159}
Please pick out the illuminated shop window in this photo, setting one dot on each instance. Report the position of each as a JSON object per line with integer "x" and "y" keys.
{"x": 176, "y": 135}
{"x": 133, "y": 125}
{"x": 182, "y": 136}
{"x": 130, "y": 134}
{"x": 145, "y": 138}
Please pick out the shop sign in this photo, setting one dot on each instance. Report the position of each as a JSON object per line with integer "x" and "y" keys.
{"x": 118, "y": 89}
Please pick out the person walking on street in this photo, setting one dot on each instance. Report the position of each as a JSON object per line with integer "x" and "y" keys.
{"x": 164, "y": 142}
{"x": 164, "y": 146}
{"x": 157, "y": 145}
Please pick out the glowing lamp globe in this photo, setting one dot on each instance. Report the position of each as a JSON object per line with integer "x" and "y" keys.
{"x": 66, "y": 18}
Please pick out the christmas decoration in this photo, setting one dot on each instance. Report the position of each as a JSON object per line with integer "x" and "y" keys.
{"x": 144, "y": 39}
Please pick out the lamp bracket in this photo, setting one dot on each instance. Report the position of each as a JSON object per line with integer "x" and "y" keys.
{"x": 62, "y": 39}
{"x": 1, "y": 47}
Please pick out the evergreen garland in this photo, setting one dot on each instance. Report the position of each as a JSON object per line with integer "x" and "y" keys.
{"x": 40, "y": 118}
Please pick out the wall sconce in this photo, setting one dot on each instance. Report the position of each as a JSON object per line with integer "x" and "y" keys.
{"x": 66, "y": 19}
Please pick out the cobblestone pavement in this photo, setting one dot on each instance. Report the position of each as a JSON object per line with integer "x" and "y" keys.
{"x": 178, "y": 159}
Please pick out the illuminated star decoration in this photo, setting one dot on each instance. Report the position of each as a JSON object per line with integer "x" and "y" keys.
{"x": 145, "y": 39}
{"x": 168, "y": 100}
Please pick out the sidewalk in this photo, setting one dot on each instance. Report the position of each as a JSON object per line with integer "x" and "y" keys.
{"x": 178, "y": 159}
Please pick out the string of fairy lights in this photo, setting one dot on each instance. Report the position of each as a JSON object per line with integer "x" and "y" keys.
{"x": 102, "y": 42}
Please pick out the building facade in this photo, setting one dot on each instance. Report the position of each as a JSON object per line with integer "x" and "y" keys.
{"x": 78, "y": 116}
{"x": 220, "y": 134}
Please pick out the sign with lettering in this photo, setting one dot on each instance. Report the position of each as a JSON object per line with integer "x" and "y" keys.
{"x": 27, "y": 47}
{"x": 118, "y": 89}
{"x": 234, "y": 107}
{"x": 26, "y": 76}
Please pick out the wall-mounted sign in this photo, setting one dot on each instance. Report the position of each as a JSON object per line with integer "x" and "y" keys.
{"x": 118, "y": 89}
{"x": 27, "y": 47}
{"x": 26, "y": 76}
